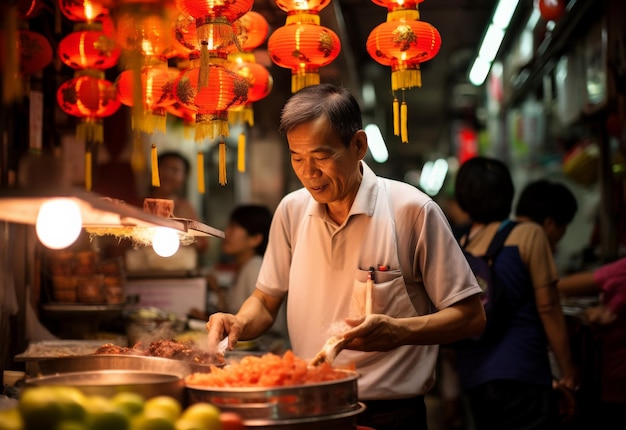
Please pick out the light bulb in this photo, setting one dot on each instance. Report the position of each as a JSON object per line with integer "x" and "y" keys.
{"x": 59, "y": 223}
{"x": 165, "y": 241}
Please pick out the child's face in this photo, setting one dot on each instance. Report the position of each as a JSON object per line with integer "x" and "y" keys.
{"x": 237, "y": 240}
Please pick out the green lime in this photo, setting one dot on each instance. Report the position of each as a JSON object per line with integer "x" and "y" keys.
{"x": 143, "y": 422}
{"x": 206, "y": 414}
{"x": 39, "y": 407}
{"x": 162, "y": 406}
{"x": 130, "y": 403}
{"x": 10, "y": 419}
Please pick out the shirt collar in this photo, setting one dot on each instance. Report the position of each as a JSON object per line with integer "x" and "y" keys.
{"x": 365, "y": 199}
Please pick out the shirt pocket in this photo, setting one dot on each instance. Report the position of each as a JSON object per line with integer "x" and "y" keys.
{"x": 388, "y": 295}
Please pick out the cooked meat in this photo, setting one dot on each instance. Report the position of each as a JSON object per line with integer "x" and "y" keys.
{"x": 186, "y": 351}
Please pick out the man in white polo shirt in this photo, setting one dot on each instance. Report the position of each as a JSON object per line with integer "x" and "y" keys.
{"x": 324, "y": 239}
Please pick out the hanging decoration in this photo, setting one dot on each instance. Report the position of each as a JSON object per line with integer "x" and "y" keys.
{"x": 251, "y": 30}
{"x": 403, "y": 42}
{"x": 302, "y": 44}
{"x": 551, "y": 10}
{"x": 156, "y": 82}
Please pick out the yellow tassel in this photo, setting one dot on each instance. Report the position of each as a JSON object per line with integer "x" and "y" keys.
{"x": 203, "y": 75}
{"x": 200, "y": 167}
{"x": 241, "y": 152}
{"x": 396, "y": 117}
{"x": 303, "y": 79}
{"x": 137, "y": 157}
{"x": 222, "y": 163}
{"x": 403, "y": 14}
{"x": 88, "y": 170}
{"x": 154, "y": 157}
{"x": 404, "y": 133}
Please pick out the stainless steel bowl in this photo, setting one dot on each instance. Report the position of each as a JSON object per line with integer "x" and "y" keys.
{"x": 110, "y": 382}
{"x": 82, "y": 363}
{"x": 264, "y": 406}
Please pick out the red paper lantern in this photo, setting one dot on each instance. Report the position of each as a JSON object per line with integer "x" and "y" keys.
{"x": 88, "y": 49}
{"x": 259, "y": 79}
{"x": 211, "y": 9}
{"x": 35, "y": 52}
{"x": 303, "y": 48}
{"x": 156, "y": 87}
{"x": 88, "y": 97}
{"x": 400, "y": 9}
{"x": 551, "y": 10}
{"x": 224, "y": 90}
{"x": 27, "y": 9}
{"x": 83, "y": 10}
{"x": 403, "y": 45}
{"x": 218, "y": 36}
{"x": 144, "y": 30}
{"x": 251, "y": 30}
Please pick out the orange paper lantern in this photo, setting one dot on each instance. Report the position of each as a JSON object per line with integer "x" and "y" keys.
{"x": 224, "y": 90}
{"x": 251, "y": 30}
{"x": 203, "y": 9}
{"x": 88, "y": 49}
{"x": 403, "y": 45}
{"x": 83, "y": 10}
{"x": 303, "y": 48}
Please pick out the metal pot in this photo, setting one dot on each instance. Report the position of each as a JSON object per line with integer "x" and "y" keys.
{"x": 110, "y": 382}
{"x": 315, "y": 403}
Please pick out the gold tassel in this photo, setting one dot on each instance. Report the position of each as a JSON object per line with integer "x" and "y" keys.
{"x": 200, "y": 167}
{"x": 88, "y": 170}
{"x": 396, "y": 116}
{"x": 137, "y": 158}
{"x": 241, "y": 152}
{"x": 156, "y": 181}
{"x": 222, "y": 163}
{"x": 404, "y": 133}
{"x": 303, "y": 79}
{"x": 403, "y": 14}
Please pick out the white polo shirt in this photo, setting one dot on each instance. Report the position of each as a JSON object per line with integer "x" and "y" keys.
{"x": 320, "y": 264}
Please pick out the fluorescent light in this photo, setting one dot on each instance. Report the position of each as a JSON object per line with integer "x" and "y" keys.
{"x": 376, "y": 143}
{"x": 491, "y": 43}
{"x": 479, "y": 71}
{"x": 504, "y": 12}
{"x": 433, "y": 176}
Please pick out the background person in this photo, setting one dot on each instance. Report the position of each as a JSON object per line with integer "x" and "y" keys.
{"x": 174, "y": 171}
{"x": 323, "y": 239}
{"x": 508, "y": 382}
{"x": 551, "y": 205}
{"x": 608, "y": 320}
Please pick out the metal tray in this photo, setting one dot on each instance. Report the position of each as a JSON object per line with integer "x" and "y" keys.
{"x": 107, "y": 383}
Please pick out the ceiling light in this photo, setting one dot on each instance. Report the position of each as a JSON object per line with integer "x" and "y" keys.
{"x": 492, "y": 40}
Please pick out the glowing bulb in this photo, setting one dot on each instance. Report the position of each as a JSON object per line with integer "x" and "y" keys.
{"x": 58, "y": 223}
{"x": 165, "y": 241}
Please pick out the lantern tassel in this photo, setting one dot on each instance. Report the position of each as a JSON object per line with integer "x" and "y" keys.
{"x": 396, "y": 117}
{"x": 222, "y": 163}
{"x": 137, "y": 158}
{"x": 156, "y": 181}
{"x": 241, "y": 152}
{"x": 88, "y": 170}
{"x": 203, "y": 76}
{"x": 404, "y": 133}
{"x": 200, "y": 167}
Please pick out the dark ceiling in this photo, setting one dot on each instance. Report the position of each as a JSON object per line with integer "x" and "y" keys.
{"x": 445, "y": 93}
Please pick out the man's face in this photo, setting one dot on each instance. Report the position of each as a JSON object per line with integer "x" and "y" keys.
{"x": 326, "y": 167}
